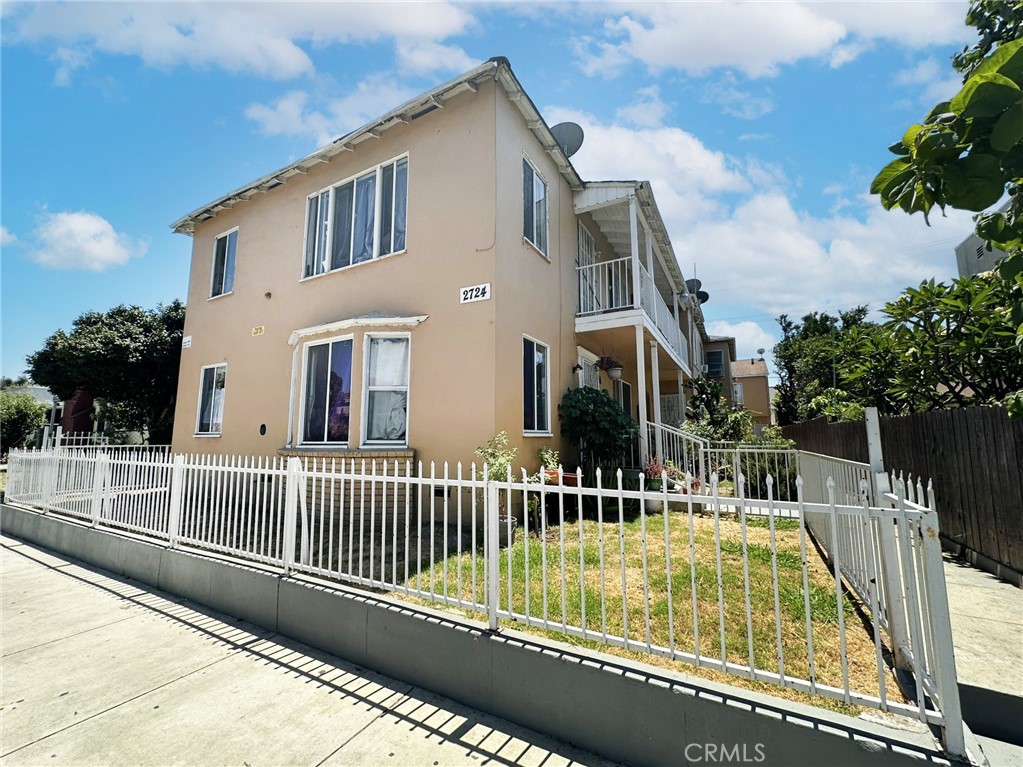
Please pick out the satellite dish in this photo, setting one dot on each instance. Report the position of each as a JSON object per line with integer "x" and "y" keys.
{"x": 760, "y": 351}
{"x": 569, "y": 137}
{"x": 702, "y": 296}
{"x": 693, "y": 285}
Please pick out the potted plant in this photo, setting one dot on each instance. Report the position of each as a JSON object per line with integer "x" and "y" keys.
{"x": 497, "y": 456}
{"x": 550, "y": 463}
{"x": 610, "y": 365}
{"x": 653, "y": 483}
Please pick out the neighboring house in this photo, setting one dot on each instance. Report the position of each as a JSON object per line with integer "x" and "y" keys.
{"x": 74, "y": 415}
{"x": 750, "y": 384}
{"x": 423, "y": 283}
{"x": 719, "y": 358}
{"x": 973, "y": 256}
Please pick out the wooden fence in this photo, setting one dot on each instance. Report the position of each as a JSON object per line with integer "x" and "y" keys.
{"x": 974, "y": 457}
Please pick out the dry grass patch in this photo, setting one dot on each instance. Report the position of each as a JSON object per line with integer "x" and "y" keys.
{"x": 592, "y": 597}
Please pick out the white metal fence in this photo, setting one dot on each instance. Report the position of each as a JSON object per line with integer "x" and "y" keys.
{"x": 733, "y": 584}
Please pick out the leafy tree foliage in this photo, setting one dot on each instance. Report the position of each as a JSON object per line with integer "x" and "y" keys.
{"x": 806, "y": 360}
{"x": 968, "y": 151}
{"x": 128, "y": 356}
{"x": 596, "y": 424}
{"x": 942, "y": 346}
{"x": 20, "y": 416}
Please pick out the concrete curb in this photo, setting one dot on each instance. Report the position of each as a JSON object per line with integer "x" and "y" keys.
{"x": 618, "y": 709}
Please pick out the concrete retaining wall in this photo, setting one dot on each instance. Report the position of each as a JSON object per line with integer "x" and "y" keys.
{"x": 621, "y": 710}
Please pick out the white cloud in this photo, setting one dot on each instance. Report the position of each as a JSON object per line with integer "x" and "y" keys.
{"x": 745, "y": 105}
{"x": 748, "y": 335}
{"x": 424, "y": 57}
{"x": 291, "y": 115}
{"x": 647, "y": 111}
{"x": 68, "y": 60}
{"x": 263, "y": 38}
{"x": 935, "y": 82}
{"x": 687, "y": 177}
{"x": 759, "y": 38}
{"x": 756, "y": 252}
{"x": 6, "y": 237}
{"x": 82, "y": 240}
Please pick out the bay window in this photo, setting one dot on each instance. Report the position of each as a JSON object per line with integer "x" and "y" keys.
{"x": 326, "y": 401}
{"x": 387, "y": 380}
{"x": 357, "y": 220}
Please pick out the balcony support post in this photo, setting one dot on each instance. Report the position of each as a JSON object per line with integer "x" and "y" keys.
{"x": 637, "y": 301}
{"x": 655, "y": 378}
{"x": 644, "y": 448}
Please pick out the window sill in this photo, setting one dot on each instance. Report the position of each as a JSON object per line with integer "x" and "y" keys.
{"x": 220, "y": 295}
{"x": 537, "y": 434}
{"x": 530, "y": 243}
{"x": 207, "y": 435}
{"x": 353, "y": 266}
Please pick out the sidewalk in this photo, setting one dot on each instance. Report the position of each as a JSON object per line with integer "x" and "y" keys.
{"x": 987, "y": 631}
{"x": 100, "y": 670}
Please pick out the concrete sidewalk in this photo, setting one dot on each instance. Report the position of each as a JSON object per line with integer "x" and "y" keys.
{"x": 987, "y": 631}
{"x": 100, "y": 670}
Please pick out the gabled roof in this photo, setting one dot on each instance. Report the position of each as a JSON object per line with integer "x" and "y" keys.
{"x": 497, "y": 68}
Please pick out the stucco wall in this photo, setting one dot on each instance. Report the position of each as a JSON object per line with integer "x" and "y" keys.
{"x": 450, "y": 237}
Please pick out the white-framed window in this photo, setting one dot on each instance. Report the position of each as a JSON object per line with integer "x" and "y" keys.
{"x": 737, "y": 394}
{"x": 209, "y": 418}
{"x": 362, "y": 218}
{"x": 385, "y": 403}
{"x": 535, "y": 386}
{"x": 327, "y": 391}
{"x": 623, "y": 396}
{"x": 589, "y": 375}
{"x": 534, "y": 206}
{"x": 715, "y": 363}
{"x": 224, "y": 251}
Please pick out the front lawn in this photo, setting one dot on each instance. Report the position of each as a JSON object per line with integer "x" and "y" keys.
{"x": 639, "y": 540}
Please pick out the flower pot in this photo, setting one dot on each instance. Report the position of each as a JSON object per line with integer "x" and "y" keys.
{"x": 614, "y": 373}
{"x": 568, "y": 480}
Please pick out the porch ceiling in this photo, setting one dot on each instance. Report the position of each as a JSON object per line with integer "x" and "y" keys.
{"x": 609, "y": 207}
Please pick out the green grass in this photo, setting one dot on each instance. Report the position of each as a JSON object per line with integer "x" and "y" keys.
{"x": 596, "y": 603}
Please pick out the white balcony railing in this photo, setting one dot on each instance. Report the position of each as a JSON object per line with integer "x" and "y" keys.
{"x": 607, "y": 287}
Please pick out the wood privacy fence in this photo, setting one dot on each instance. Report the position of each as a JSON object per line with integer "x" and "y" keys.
{"x": 974, "y": 457}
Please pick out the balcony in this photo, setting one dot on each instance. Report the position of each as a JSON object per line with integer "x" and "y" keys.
{"x": 608, "y": 286}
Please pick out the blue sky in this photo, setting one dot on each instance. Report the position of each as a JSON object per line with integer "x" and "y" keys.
{"x": 759, "y": 125}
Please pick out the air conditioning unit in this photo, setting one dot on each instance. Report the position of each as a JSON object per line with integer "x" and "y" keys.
{"x": 704, "y": 368}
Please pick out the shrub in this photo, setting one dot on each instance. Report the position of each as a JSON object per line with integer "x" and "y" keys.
{"x": 20, "y": 416}
{"x": 596, "y": 424}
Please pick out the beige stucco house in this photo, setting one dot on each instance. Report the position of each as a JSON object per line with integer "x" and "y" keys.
{"x": 424, "y": 282}
{"x": 751, "y": 386}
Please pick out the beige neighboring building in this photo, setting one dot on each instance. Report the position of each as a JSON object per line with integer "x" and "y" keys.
{"x": 423, "y": 283}
{"x": 750, "y": 384}
{"x": 718, "y": 360}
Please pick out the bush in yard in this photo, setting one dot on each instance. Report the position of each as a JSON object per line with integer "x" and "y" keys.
{"x": 596, "y": 424}
{"x": 20, "y": 416}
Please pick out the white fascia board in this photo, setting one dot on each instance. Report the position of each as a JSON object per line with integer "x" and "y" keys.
{"x": 499, "y": 69}
{"x": 357, "y": 322}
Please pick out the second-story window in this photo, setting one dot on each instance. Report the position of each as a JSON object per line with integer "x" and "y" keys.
{"x": 715, "y": 363}
{"x": 223, "y": 264}
{"x": 534, "y": 207}
{"x": 360, "y": 219}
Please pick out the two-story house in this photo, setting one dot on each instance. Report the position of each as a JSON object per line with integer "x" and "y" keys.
{"x": 424, "y": 282}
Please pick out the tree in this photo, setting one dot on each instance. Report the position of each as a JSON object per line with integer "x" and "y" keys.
{"x": 9, "y": 383}
{"x": 806, "y": 359}
{"x": 20, "y": 416}
{"x": 968, "y": 151}
{"x": 128, "y": 356}
{"x": 943, "y": 346}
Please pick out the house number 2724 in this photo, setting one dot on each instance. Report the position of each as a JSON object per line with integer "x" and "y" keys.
{"x": 475, "y": 293}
